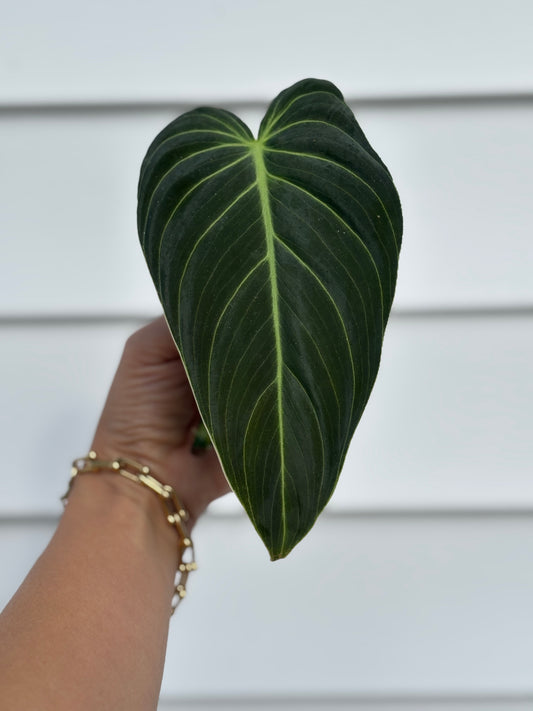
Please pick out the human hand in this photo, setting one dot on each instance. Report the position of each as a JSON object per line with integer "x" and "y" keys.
{"x": 150, "y": 416}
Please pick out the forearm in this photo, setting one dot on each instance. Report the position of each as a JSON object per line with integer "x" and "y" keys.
{"x": 87, "y": 630}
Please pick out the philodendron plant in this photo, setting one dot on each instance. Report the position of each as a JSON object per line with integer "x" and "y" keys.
{"x": 275, "y": 260}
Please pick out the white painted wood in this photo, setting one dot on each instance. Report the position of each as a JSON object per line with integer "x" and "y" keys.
{"x": 387, "y": 607}
{"x": 390, "y": 606}
{"x": 54, "y": 382}
{"x": 238, "y": 48}
{"x": 463, "y": 178}
{"x": 68, "y": 181}
{"x": 68, "y": 220}
{"x": 450, "y": 419}
{"x": 448, "y": 424}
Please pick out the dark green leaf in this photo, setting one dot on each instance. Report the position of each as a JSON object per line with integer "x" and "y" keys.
{"x": 275, "y": 260}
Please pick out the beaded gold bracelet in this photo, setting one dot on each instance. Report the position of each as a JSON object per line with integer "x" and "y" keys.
{"x": 175, "y": 513}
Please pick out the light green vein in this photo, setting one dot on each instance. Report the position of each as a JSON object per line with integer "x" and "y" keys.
{"x": 262, "y": 186}
{"x": 322, "y": 442}
{"x": 200, "y": 239}
{"x": 244, "y": 444}
{"x": 333, "y": 254}
{"x": 217, "y": 268}
{"x": 161, "y": 147}
{"x": 191, "y": 189}
{"x": 237, "y": 129}
{"x": 235, "y": 413}
{"x": 236, "y": 330}
{"x": 261, "y": 466}
{"x": 335, "y": 308}
{"x": 190, "y": 132}
{"x": 299, "y": 123}
{"x": 355, "y": 285}
{"x": 347, "y": 170}
{"x": 236, "y": 372}
{"x": 347, "y": 226}
{"x": 276, "y": 117}
{"x": 319, "y": 353}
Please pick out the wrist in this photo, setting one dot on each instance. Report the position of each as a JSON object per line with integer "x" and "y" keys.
{"x": 123, "y": 508}
{"x": 167, "y": 468}
{"x": 118, "y": 475}
{"x": 110, "y": 447}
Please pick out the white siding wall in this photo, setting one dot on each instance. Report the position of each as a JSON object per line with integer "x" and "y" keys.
{"x": 414, "y": 589}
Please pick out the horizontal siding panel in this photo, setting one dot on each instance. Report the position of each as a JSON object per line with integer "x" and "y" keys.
{"x": 450, "y": 418}
{"x": 448, "y": 425}
{"x": 54, "y": 382}
{"x": 380, "y": 608}
{"x": 352, "y": 704}
{"x": 210, "y": 49}
{"x": 69, "y": 182}
{"x": 69, "y": 225}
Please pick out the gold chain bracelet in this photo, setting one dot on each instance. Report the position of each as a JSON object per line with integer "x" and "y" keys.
{"x": 175, "y": 513}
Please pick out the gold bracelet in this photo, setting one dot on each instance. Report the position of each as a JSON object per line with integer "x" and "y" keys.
{"x": 175, "y": 514}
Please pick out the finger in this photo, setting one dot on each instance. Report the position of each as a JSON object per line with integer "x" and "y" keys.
{"x": 153, "y": 344}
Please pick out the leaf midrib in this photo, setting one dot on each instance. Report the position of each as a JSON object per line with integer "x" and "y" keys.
{"x": 257, "y": 152}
